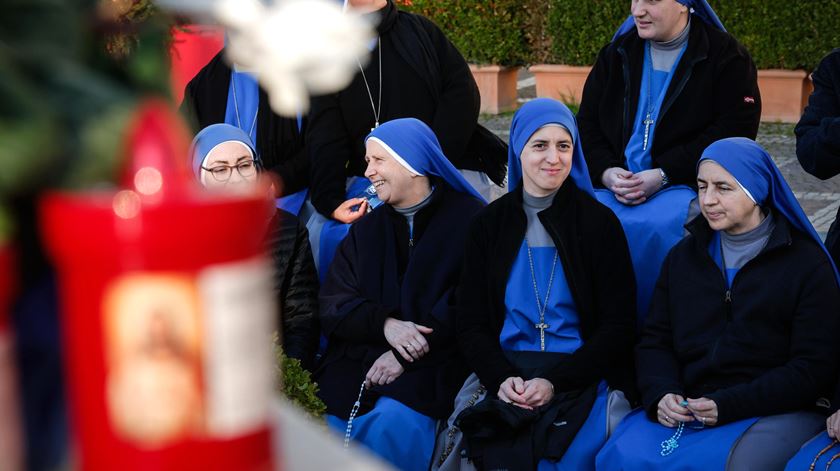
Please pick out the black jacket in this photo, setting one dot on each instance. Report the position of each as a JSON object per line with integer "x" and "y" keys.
{"x": 714, "y": 94}
{"x": 818, "y": 134}
{"x": 279, "y": 141}
{"x": 596, "y": 261}
{"x": 296, "y": 285}
{"x": 377, "y": 274}
{"x": 766, "y": 346}
{"x": 423, "y": 77}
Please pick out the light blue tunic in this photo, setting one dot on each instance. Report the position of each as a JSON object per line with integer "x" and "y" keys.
{"x": 563, "y": 335}
{"x": 636, "y": 445}
{"x": 803, "y": 459}
{"x": 654, "y": 226}
{"x": 395, "y": 432}
{"x": 247, "y": 101}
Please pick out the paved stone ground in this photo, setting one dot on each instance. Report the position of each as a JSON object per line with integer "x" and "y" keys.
{"x": 820, "y": 199}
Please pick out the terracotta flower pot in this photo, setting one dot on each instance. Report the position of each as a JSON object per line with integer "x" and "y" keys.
{"x": 497, "y": 86}
{"x": 561, "y": 82}
{"x": 784, "y": 94}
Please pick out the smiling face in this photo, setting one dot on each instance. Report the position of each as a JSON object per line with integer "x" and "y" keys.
{"x": 365, "y": 6}
{"x": 394, "y": 184}
{"x": 659, "y": 20}
{"x": 243, "y": 175}
{"x": 723, "y": 202}
{"x": 546, "y": 160}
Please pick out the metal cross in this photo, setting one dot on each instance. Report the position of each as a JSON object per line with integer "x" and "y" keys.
{"x": 542, "y": 326}
{"x": 647, "y": 122}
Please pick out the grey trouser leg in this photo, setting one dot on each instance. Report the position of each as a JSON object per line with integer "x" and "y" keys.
{"x": 773, "y": 440}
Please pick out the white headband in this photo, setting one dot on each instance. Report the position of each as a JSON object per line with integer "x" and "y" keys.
{"x": 396, "y": 156}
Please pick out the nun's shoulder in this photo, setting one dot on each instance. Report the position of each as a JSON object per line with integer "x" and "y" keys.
{"x": 724, "y": 44}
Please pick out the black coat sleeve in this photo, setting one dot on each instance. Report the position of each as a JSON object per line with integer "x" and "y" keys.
{"x": 656, "y": 361}
{"x": 300, "y": 302}
{"x": 735, "y": 115}
{"x": 459, "y": 102}
{"x": 345, "y": 312}
{"x": 478, "y": 337}
{"x": 614, "y": 297}
{"x": 810, "y": 368}
{"x": 442, "y": 321}
{"x": 294, "y": 170}
{"x": 818, "y": 131}
{"x": 328, "y": 144}
{"x": 596, "y": 146}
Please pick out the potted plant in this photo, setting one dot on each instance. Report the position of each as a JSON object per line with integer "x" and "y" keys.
{"x": 565, "y": 39}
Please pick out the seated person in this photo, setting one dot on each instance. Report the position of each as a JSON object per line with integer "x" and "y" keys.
{"x": 223, "y": 159}
{"x": 224, "y": 93}
{"x": 386, "y": 308}
{"x": 818, "y": 134}
{"x": 671, "y": 82}
{"x": 740, "y": 341}
{"x": 818, "y": 150}
{"x": 545, "y": 310}
{"x": 413, "y": 70}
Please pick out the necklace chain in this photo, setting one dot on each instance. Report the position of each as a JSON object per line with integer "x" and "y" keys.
{"x": 236, "y": 108}
{"x": 541, "y": 308}
{"x": 648, "y": 119}
{"x": 377, "y": 109}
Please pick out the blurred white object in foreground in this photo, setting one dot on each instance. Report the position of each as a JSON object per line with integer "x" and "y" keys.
{"x": 305, "y": 445}
{"x": 295, "y": 47}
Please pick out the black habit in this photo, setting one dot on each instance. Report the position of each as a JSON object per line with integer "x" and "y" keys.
{"x": 423, "y": 77}
{"x": 377, "y": 274}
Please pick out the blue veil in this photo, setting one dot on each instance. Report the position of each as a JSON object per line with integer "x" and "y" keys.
{"x": 414, "y": 145}
{"x": 756, "y": 172}
{"x": 530, "y": 118}
{"x": 210, "y": 137}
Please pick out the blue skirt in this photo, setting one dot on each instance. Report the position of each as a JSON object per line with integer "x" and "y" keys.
{"x": 636, "y": 445}
{"x": 589, "y": 439}
{"x": 802, "y": 460}
{"x": 395, "y": 432}
{"x": 651, "y": 228}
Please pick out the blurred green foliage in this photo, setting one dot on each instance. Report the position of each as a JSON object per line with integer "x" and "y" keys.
{"x": 70, "y": 76}
{"x": 296, "y": 383}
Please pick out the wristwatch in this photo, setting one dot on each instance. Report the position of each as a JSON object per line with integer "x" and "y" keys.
{"x": 664, "y": 177}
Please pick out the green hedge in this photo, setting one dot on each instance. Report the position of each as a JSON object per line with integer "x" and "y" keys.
{"x": 783, "y": 34}
{"x": 486, "y": 32}
{"x": 778, "y": 33}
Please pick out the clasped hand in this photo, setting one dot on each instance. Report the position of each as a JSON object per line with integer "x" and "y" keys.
{"x": 526, "y": 394}
{"x": 673, "y": 409}
{"x": 632, "y": 188}
{"x": 384, "y": 371}
{"x": 407, "y": 338}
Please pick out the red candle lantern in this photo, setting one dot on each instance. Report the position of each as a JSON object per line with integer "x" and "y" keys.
{"x": 167, "y": 314}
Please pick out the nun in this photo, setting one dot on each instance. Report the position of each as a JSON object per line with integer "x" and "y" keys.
{"x": 391, "y": 368}
{"x": 671, "y": 82}
{"x": 545, "y": 311}
{"x": 225, "y": 93}
{"x": 413, "y": 70}
{"x": 739, "y": 350}
{"x": 224, "y": 160}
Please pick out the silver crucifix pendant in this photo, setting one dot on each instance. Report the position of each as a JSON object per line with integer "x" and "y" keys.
{"x": 647, "y": 122}
{"x": 542, "y": 326}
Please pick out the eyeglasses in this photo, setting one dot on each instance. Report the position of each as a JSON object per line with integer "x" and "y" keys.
{"x": 222, "y": 173}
